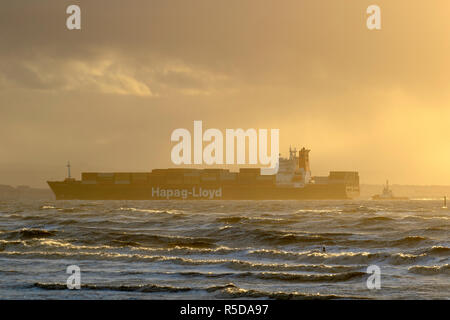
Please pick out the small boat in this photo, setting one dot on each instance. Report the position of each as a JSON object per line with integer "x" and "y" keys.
{"x": 387, "y": 194}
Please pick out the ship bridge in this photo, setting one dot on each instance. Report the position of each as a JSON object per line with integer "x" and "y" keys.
{"x": 294, "y": 170}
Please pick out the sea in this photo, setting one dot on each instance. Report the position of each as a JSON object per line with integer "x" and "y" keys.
{"x": 224, "y": 249}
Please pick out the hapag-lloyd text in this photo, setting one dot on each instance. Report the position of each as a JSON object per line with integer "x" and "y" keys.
{"x": 167, "y": 193}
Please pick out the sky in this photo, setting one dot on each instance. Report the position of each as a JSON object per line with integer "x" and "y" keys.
{"x": 107, "y": 97}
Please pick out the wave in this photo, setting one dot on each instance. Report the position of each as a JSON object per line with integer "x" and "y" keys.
{"x": 134, "y": 288}
{"x": 272, "y": 237}
{"x": 63, "y": 210}
{"x": 200, "y": 274}
{"x": 292, "y": 277}
{"x": 290, "y": 238}
{"x": 233, "y": 264}
{"x": 420, "y": 218}
{"x": 141, "y": 239}
{"x": 67, "y": 222}
{"x": 318, "y": 211}
{"x": 436, "y": 251}
{"x": 338, "y": 258}
{"x": 93, "y": 204}
{"x": 254, "y": 220}
{"x": 220, "y": 287}
{"x": 409, "y": 240}
{"x": 11, "y": 243}
{"x": 152, "y": 211}
{"x": 111, "y": 256}
{"x": 47, "y": 207}
{"x": 29, "y": 233}
{"x": 187, "y": 250}
{"x": 374, "y": 220}
{"x": 231, "y": 219}
{"x": 70, "y": 210}
{"x": 224, "y": 291}
{"x": 51, "y": 243}
{"x": 333, "y": 260}
{"x": 276, "y": 237}
{"x": 335, "y": 234}
{"x": 239, "y": 293}
{"x": 310, "y": 260}
{"x": 251, "y": 266}
{"x": 435, "y": 229}
{"x": 430, "y": 270}
{"x": 278, "y": 276}
{"x": 359, "y": 209}
{"x": 85, "y": 255}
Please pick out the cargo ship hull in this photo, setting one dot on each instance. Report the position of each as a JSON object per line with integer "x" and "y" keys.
{"x": 79, "y": 191}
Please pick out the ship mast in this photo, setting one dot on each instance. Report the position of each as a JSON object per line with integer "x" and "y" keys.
{"x": 68, "y": 169}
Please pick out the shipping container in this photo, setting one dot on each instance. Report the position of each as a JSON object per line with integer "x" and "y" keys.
{"x": 208, "y": 177}
{"x": 139, "y": 177}
{"x": 105, "y": 178}
{"x": 105, "y": 175}
{"x": 89, "y": 176}
{"x": 250, "y": 171}
{"x": 192, "y": 180}
{"x": 122, "y": 178}
{"x": 228, "y": 176}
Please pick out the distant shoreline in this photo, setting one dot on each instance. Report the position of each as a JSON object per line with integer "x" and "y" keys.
{"x": 8, "y": 192}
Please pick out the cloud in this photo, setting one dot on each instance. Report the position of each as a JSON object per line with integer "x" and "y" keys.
{"x": 45, "y": 74}
{"x": 111, "y": 74}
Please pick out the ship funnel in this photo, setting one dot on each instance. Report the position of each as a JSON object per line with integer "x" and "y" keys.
{"x": 303, "y": 159}
{"x": 303, "y": 165}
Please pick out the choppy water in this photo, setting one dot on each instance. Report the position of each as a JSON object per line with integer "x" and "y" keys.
{"x": 219, "y": 249}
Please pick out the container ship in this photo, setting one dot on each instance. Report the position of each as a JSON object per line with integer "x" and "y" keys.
{"x": 293, "y": 181}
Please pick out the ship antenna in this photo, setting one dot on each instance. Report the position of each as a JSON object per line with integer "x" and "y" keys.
{"x": 68, "y": 169}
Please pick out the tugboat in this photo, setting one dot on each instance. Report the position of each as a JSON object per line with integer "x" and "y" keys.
{"x": 387, "y": 194}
